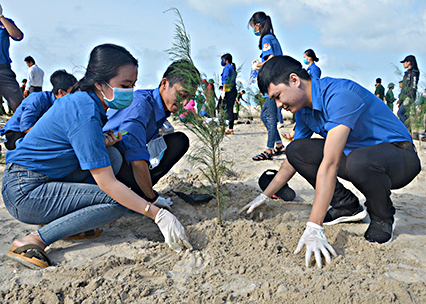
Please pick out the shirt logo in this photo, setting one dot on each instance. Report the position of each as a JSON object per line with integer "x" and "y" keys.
{"x": 266, "y": 47}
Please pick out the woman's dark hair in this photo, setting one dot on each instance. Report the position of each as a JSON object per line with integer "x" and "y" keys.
{"x": 311, "y": 53}
{"x": 61, "y": 80}
{"x": 265, "y": 25}
{"x": 413, "y": 62}
{"x": 277, "y": 70}
{"x": 234, "y": 66}
{"x": 227, "y": 57}
{"x": 104, "y": 61}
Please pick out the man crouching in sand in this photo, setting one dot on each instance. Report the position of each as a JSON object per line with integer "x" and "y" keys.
{"x": 364, "y": 143}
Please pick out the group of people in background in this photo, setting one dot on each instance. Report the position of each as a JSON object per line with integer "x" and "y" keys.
{"x": 83, "y": 154}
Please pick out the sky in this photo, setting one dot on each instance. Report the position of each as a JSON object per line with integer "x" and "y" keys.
{"x": 359, "y": 40}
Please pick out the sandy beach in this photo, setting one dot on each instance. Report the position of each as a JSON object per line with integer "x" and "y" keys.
{"x": 248, "y": 260}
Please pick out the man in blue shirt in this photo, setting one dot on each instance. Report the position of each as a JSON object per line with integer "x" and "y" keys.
{"x": 9, "y": 87}
{"x": 363, "y": 143}
{"x": 34, "y": 106}
{"x": 148, "y": 155}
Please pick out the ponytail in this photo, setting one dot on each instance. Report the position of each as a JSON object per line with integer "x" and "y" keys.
{"x": 265, "y": 25}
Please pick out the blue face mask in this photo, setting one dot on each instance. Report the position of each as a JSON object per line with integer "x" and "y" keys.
{"x": 255, "y": 33}
{"x": 305, "y": 61}
{"x": 122, "y": 98}
{"x": 223, "y": 63}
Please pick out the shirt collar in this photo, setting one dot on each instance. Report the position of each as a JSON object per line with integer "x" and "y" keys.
{"x": 316, "y": 102}
{"x": 159, "y": 111}
{"x": 99, "y": 106}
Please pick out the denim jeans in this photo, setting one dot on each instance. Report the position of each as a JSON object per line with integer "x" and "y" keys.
{"x": 269, "y": 119}
{"x": 67, "y": 206}
{"x": 280, "y": 116}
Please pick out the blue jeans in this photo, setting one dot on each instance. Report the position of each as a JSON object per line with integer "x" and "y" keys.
{"x": 269, "y": 119}
{"x": 67, "y": 206}
{"x": 280, "y": 116}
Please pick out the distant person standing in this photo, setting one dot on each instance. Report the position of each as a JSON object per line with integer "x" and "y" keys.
{"x": 238, "y": 102}
{"x": 390, "y": 99}
{"x": 380, "y": 90}
{"x": 35, "y": 77}
{"x": 23, "y": 84}
{"x": 229, "y": 76}
{"x": 409, "y": 86}
{"x": 309, "y": 59}
{"x": 9, "y": 87}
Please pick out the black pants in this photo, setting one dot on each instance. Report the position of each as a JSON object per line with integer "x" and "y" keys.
{"x": 177, "y": 145}
{"x": 12, "y": 137}
{"x": 373, "y": 170}
{"x": 229, "y": 102}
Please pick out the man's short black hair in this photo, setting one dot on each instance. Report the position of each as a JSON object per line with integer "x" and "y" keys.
{"x": 60, "y": 79}
{"x": 379, "y": 80}
{"x": 277, "y": 70}
{"x": 29, "y": 59}
{"x": 183, "y": 72}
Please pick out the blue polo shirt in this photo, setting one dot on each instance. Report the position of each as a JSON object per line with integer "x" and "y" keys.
{"x": 228, "y": 74}
{"x": 314, "y": 71}
{"x": 66, "y": 137}
{"x": 344, "y": 102}
{"x": 5, "y": 43}
{"x": 270, "y": 46}
{"x": 29, "y": 111}
{"x": 141, "y": 120}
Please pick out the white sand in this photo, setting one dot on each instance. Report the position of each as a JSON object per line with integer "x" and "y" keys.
{"x": 246, "y": 261}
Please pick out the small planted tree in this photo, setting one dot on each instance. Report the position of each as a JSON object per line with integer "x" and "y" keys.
{"x": 206, "y": 156}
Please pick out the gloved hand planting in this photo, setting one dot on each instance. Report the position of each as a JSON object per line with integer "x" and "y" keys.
{"x": 316, "y": 242}
{"x": 172, "y": 230}
{"x": 258, "y": 201}
{"x": 162, "y": 202}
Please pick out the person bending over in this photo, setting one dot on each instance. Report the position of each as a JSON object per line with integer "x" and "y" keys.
{"x": 363, "y": 142}
{"x": 34, "y": 106}
{"x": 148, "y": 155}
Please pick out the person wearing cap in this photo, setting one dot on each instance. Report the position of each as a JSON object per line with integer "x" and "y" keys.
{"x": 409, "y": 86}
{"x": 380, "y": 90}
{"x": 9, "y": 87}
{"x": 390, "y": 99}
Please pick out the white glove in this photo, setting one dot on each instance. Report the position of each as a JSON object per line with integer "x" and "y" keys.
{"x": 254, "y": 66}
{"x": 1, "y": 11}
{"x": 172, "y": 230}
{"x": 316, "y": 242}
{"x": 162, "y": 202}
{"x": 258, "y": 201}
{"x": 222, "y": 94}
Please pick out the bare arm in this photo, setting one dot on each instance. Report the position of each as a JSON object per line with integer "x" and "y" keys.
{"x": 285, "y": 173}
{"x": 142, "y": 177}
{"x": 327, "y": 172}
{"x": 262, "y": 63}
{"x": 106, "y": 180}
{"x": 11, "y": 29}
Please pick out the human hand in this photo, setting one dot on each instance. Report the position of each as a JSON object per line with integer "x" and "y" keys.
{"x": 258, "y": 201}
{"x": 316, "y": 242}
{"x": 26, "y": 92}
{"x": 172, "y": 230}
{"x": 289, "y": 137}
{"x": 254, "y": 66}
{"x": 162, "y": 202}
{"x": 111, "y": 139}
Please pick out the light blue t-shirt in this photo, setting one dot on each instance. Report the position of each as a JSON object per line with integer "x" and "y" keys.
{"x": 68, "y": 136}
{"x": 29, "y": 111}
{"x": 314, "y": 71}
{"x": 5, "y": 43}
{"x": 344, "y": 102}
{"x": 141, "y": 120}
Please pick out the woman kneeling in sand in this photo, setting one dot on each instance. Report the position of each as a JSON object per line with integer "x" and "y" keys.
{"x": 61, "y": 175}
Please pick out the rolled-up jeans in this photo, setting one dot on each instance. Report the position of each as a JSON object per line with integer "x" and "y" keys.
{"x": 67, "y": 206}
{"x": 269, "y": 119}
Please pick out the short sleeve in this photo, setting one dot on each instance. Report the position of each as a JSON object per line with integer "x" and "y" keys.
{"x": 266, "y": 47}
{"x": 88, "y": 143}
{"x": 33, "y": 111}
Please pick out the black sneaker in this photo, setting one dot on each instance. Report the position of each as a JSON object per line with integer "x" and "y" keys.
{"x": 342, "y": 215}
{"x": 380, "y": 231}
